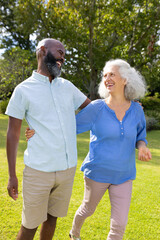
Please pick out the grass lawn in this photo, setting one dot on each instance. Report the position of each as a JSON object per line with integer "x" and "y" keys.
{"x": 144, "y": 216}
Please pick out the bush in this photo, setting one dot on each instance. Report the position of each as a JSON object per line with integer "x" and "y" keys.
{"x": 153, "y": 113}
{"x": 151, "y": 106}
{"x": 152, "y": 123}
{"x": 3, "y": 105}
{"x": 151, "y": 103}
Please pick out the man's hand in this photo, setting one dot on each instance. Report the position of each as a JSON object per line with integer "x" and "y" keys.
{"x": 139, "y": 103}
{"x": 13, "y": 187}
{"x": 144, "y": 154}
{"x": 29, "y": 133}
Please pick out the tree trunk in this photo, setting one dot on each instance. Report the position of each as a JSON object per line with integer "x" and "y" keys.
{"x": 93, "y": 71}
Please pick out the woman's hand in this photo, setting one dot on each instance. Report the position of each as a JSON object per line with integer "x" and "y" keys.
{"x": 144, "y": 154}
{"x": 29, "y": 133}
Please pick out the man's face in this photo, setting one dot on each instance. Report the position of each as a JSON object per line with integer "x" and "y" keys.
{"x": 52, "y": 64}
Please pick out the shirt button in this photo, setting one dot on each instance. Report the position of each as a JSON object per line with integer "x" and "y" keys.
{"x": 121, "y": 128}
{"x": 122, "y": 133}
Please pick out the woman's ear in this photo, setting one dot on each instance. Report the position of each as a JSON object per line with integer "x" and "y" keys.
{"x": 125, "y": 81}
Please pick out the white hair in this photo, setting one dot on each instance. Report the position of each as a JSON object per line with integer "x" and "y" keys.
{"x": 135, "y": 87}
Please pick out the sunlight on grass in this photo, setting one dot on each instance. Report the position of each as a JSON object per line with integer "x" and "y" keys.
{"x": 144, "y": 216}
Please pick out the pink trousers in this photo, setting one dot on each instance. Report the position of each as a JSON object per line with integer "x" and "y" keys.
{"x": 120, "y": 198}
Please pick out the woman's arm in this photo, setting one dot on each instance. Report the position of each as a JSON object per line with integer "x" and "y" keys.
{"x": 29, "y": 133}
{"x": 86, "y": 117}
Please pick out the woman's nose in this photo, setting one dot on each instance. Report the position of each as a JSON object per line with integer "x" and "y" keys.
{"x": 107, "y": 77}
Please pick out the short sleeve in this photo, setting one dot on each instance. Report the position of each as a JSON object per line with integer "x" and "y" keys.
{"x": 141, "y": 129}
{"x": 85, "y": 118}
{"x": 78, "y": 97}
{"x": 17, "y": 105}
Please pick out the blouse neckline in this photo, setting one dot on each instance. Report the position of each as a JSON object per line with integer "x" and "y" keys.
{"x": 111, "y": 110}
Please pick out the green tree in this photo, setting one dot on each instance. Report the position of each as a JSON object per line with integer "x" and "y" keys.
{"x": 17, "y": 23}
{"x": 15, "y": 67}
{"x": 94, "y": 31}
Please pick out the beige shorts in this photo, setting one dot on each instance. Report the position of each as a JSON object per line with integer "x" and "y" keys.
{"x": 45, "y": 192}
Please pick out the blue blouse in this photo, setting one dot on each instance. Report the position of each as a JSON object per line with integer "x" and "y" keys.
{"x": 111, "y": 157}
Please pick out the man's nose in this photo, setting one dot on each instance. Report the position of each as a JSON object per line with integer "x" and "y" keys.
{"x": 63, "y": 59}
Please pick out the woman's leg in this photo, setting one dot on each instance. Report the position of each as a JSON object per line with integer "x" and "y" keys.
{"x": 92, "y": 195}
{"x": 120, "y": 198}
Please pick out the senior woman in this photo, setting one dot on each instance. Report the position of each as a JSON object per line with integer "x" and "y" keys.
{"x": 117, "y": 126}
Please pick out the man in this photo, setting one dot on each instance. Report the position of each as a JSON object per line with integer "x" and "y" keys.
{"x": 48, "y": 104}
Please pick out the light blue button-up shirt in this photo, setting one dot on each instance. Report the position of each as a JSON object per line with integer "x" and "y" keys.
{"x": 49, "y": 109}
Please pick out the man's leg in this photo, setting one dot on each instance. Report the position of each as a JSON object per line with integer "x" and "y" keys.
{"x": 48, "y": 228}
{"x": 26, "y": 234}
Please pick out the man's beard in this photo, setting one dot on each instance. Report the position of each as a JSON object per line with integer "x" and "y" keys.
{"x": 52, "y": 66}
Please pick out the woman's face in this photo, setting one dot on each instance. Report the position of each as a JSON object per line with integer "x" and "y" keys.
{"x": 113, "y": 80}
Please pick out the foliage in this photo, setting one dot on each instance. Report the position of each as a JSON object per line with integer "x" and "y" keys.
{"x": 153, "y": 113}
{"x": 151, "y": 71}
{"x": 15, "y": 67}
{"x": 152, "y": 123}
{"x": 96, "y": 31}
{"x": 3, "y": 105}
{"x": 151, "y": 107}
{"x": 16, "y": 24}
{"x": 144, "y": 211}
{"x": 93, "y": 31}
{"x": 151, "y": 103}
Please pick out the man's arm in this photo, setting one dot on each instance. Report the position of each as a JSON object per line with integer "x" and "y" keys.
{"x": 13, "y": 134}
{"x": 86, "y": 102}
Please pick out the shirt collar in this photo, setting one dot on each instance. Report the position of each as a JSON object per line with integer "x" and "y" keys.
{"x": 41, "y": 77}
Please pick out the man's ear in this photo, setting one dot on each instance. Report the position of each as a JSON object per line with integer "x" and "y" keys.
{"x": 43, "y": 50}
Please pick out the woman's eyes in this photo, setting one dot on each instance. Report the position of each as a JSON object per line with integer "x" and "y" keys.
{"x": 109, "y": 75}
